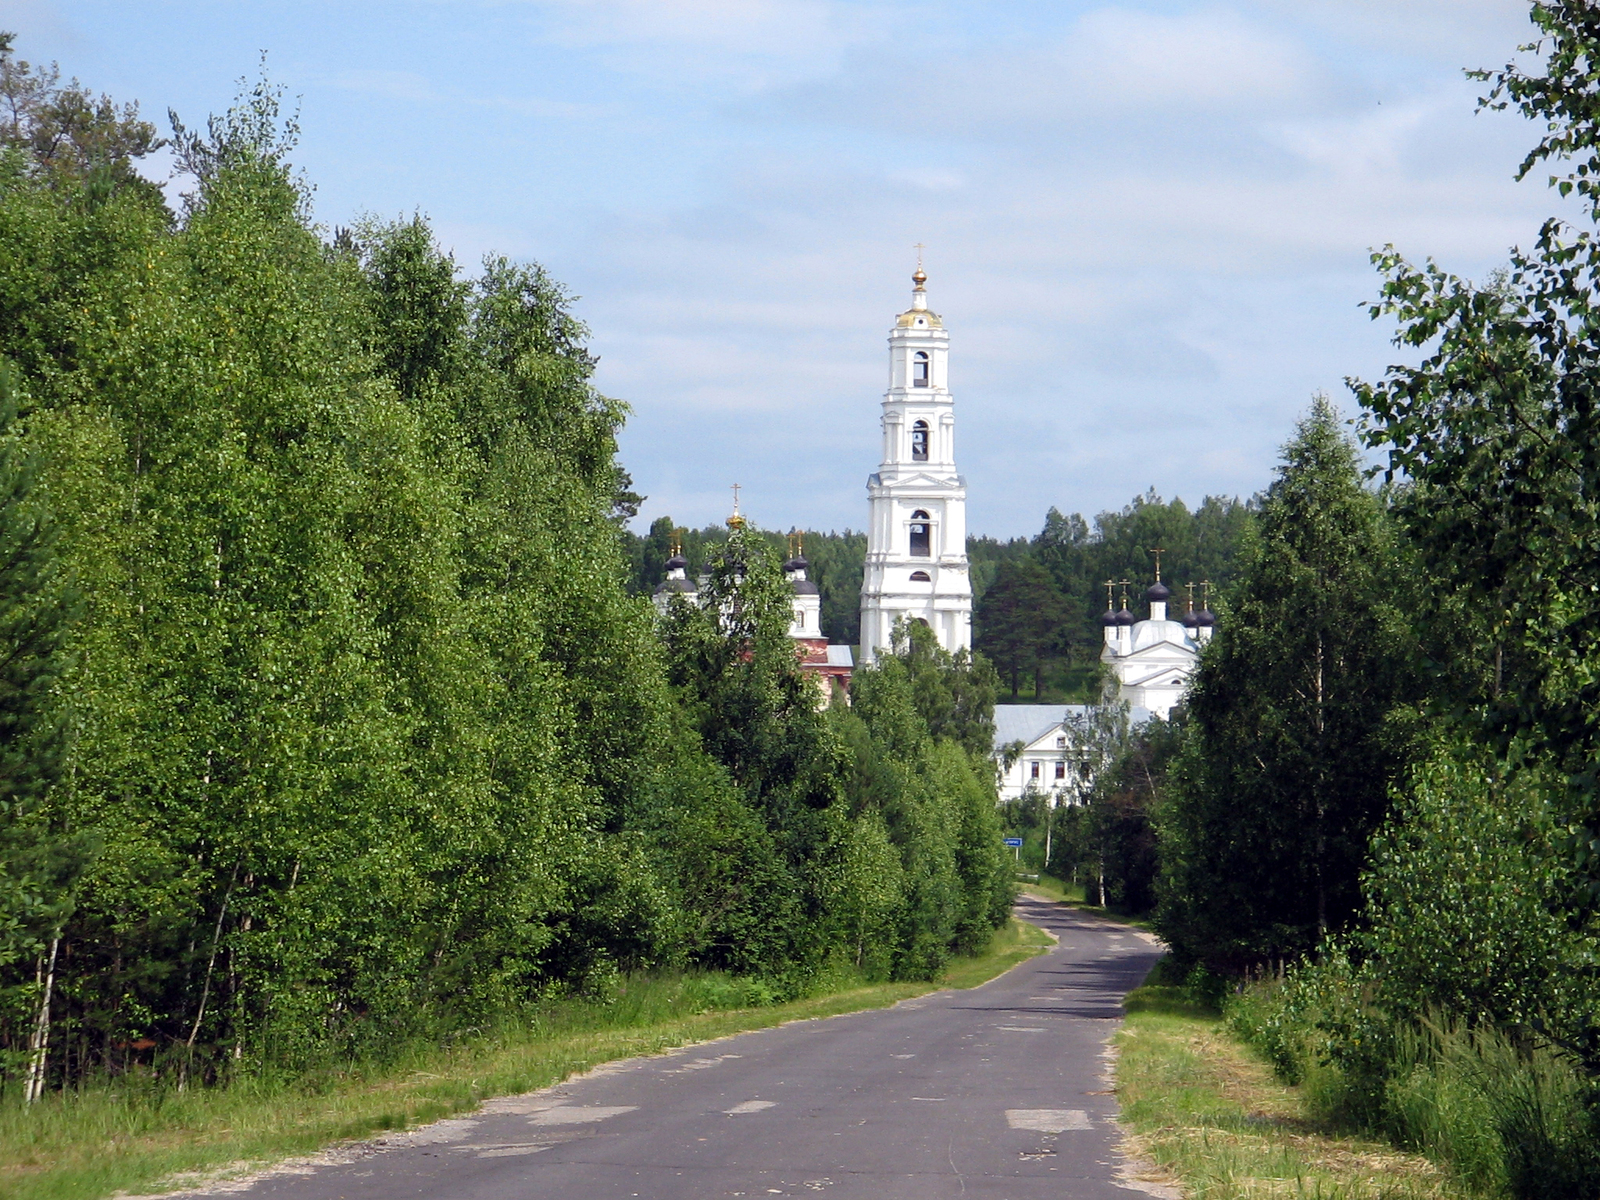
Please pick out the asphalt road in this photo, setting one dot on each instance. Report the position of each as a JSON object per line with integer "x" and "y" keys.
{"x": 999, "y": 1091}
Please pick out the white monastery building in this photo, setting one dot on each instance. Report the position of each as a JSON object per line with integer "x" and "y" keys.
{"x": 828, "y": 666}
{"x": 1038, "y": 740}
{"x": 916, "y": 570}
{"x": 1153, "y": 659}
{"x": 917, "y": 504}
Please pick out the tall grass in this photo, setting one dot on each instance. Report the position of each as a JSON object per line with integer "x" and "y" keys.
{"x": 1508, "y": 1115}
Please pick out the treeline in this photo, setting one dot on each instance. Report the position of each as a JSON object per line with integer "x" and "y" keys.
{"x": 1377, "y": 823}
{"x": 1038, "y": 619}
{"x": 1037, "y": 601}
{"x": 326, "y": 718}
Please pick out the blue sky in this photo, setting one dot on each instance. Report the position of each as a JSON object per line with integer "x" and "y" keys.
{"x": 1147, "y": 224}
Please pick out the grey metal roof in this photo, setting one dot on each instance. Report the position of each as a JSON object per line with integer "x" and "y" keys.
{"x": 840, "y": 656}
{"x": 1027, "y": 723}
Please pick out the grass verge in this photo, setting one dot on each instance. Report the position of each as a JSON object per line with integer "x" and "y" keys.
{"x": 1207, "y": 1114}
{"x": 123, "y": 1139}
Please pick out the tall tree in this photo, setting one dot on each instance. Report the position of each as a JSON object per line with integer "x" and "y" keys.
{"x": 40, "y": 863}
{"x": 735, "y": 671}
{"x": 67, "y": 133}
{"x": 1019, "y": 621}
{"x": 1497, "y": 430}
{"x": 1291, "y": 747}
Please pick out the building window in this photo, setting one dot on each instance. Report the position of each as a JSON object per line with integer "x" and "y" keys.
{"x": 919, "y": 369}
{"x": 1036, "y": 770}
{"x": 1061, "y": 770}
{"x": 919, "y": 442}
{"x": 921, "y": 577}
{"x": 920, "y": 528}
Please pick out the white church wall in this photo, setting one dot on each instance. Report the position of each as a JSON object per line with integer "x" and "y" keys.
{"x": 906, "y": 485}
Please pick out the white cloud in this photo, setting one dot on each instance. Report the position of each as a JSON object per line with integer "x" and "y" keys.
{"x": 1147, "y": 220}
{"x": 1119, "y": 58}
{"x": 695, "y": 44}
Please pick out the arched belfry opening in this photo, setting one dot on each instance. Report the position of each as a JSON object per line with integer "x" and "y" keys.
{"x": 919, "y": 442}
{"x": 919, "y": 369}
{"x": 921, "y": 528}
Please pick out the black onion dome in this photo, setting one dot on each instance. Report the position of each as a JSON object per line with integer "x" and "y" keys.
{"x": 1206, "y": 618}
{"x": 797, "y": 563}
{"x": 804, "y": 587}
{"x": 1158, "y": 593}
{"x": 677, "y": 563}
{"x": 1125, "y": 618}
{"x": 1191, "y": 619}
{"x": 1108, "y": 618}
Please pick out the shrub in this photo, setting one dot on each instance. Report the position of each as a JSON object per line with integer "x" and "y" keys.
{"x": 1506, "y": 1114}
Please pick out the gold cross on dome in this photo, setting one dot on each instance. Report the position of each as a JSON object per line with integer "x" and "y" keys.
{"x": 1158, "y": 552}
{"x": 736, "y": 488}
{"x": 919, "y": 248}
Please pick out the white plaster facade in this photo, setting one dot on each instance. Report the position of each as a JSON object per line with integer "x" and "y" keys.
{"x": 1153, "y": 659}
{"x": 677, "y": 583}
{"x": 916, "y": 564}
{"x": 807, "y": 619}
{"x": 1046, "y": 763}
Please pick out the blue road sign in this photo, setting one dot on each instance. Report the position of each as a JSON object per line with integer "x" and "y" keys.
{"x": 1013, "y": 841}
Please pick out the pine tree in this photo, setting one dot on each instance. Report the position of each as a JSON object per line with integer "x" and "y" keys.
{"x": 1018, "y": 620}
{"x": 1291, "y": 752}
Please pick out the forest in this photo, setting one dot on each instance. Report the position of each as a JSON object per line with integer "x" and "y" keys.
{"x": 328, "y": 718}
{"x": 1037, "y": 601}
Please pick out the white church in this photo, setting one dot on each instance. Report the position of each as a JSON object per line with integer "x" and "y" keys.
{"x": 1153, "y": 659}
{"x": 916, "y": 570}
{"x": 917, "y": 502}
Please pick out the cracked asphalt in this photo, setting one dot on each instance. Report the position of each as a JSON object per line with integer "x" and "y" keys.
{"x": 999, "y": 1091}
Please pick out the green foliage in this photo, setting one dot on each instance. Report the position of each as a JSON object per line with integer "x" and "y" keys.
{"x": 66, "y": 135}
{"x": 1199, "y": 546}
{"x": 1470, "y": 903}
{"x": 1505, "y": 1115}
{"x": 1045, "y": 624}
{"x": 359, "y": 737}
{"x": 836, "y": 562}
{"x": 922, "y": 795}
{"x": 1019, "y": 621}
{"x": 41, "y": 863}
{"x": 1496, "y": 430}
{"x": 1291, "y": 745}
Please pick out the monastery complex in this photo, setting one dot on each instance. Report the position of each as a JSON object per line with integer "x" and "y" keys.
{"x": 917, "y": 570}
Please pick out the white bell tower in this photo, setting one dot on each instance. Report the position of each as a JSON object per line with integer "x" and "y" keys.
{"x": 917, "y": 504}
